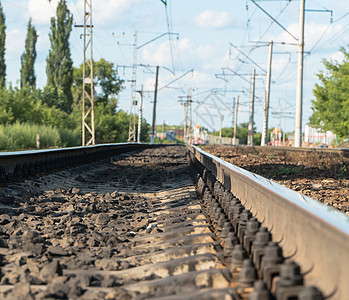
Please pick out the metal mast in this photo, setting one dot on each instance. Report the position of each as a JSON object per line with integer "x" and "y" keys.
{"x": 236, "y": 119}
{"x": 140, "y": 115}
{"x": 185, "y": 104}
{"x": 153, "y": 128}
{"x": 88, "y": 116}
{"x": 250, "y": 124}
{"x": 132, "y": 125}
{"x": 264, "y": 140}
{"x": 190, "y": 116}
{"x": 220, "y": 128}
{"x": 186, "y": 101}
{"x": 299, "y": 97}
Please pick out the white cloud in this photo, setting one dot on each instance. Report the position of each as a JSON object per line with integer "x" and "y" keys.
{"x": 314, "y": 31}
{"x": 205, "y": 57}
{"x": 157, "y": 54}
{"x": 312, "y": 34}
{"x": 213, "y": 19}
{"x": 103, "y": 11}
{"x": 41, "y": 11}
{"x": 280, "y": 62}
{"x": 202, "y": 79}
{"x": 337, "y": 56}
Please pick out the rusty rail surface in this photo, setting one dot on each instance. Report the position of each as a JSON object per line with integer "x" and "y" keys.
{"x": 314, "y": 235}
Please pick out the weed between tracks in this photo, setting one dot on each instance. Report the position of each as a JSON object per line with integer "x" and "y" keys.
{"x": 285, "y": 170}
{"x": 341, "y": 173}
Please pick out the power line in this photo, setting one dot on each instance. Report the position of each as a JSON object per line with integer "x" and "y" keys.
{"x": 270, "y": 16}
{"x": 250, "y": 59}
{"x": 169, "y": 29}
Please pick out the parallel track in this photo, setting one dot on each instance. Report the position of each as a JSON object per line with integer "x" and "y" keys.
{"x": 135, "y": 227}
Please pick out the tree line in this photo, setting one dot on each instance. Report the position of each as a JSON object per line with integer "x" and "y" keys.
{"x": 59, "y": 103}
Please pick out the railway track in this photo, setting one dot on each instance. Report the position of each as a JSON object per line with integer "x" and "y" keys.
{"x": 160, "y": 223}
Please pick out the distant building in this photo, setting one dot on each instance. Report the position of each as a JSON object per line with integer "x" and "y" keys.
{"x": 179, "y": 134}
{"x": 318, "y": 136}
{"x": 200, "y": 136}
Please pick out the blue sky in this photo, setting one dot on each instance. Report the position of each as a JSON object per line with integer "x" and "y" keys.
{"x": 208, "y": 34}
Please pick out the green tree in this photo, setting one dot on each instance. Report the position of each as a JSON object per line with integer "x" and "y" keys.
{"x": 106, "y": 82}
{"x": 25, "y": 106}
{"x": 110, "y": 126}
{"x": 331, "y": 107}
{"x": 241, "y": 133}
{"x": 2, "y": 48}
{"x": 28, "y": 57}
{"x": 59, "y": 68}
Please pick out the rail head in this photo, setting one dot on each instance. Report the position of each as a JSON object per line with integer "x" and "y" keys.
{"x": 9, "y": 160}
{"x": 315, "y": 235}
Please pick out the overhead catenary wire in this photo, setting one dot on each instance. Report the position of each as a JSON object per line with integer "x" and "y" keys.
{"x": 275, "y": 20}
{"x": 256, "y": 44}
{"x": 169, "y": 29}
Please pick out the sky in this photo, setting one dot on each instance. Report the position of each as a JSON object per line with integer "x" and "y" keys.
{"x": 205, "y": 48}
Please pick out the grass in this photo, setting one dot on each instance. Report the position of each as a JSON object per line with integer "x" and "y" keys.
{"x": 286, "y": 170}
{"x": 22, "y": 136}
{"x": 341, "y": 172}
{"x": 69, "y": 138}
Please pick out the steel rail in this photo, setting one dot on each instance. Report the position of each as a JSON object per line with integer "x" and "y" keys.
{"x": 9, "y": 160}
{"x": 314, "y": 235}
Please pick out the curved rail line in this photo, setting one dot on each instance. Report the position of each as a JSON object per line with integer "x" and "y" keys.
{"x": 242, "y": 208}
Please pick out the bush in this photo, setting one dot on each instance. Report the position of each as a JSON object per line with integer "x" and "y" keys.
{"x": 22, "y": 136}
{"x": 70, "y": 138}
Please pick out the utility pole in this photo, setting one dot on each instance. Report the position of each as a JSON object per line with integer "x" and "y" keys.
{"x": 153, "y": 129}
{"x": 186, "y": 101}
{"x": 264, "y": 140}
{"x": 299, "y": 97}
{"x": 284, "y": 135}
{"x": 140, "y": 115}
{"x": 232, "y": 118}
{"x": 132, "y": 123}
{"x": 220, "y": 129}
{"x": 88, "y": 115}
{"x": 236, "y": 119}
{"x": 189, "y": 98}
{"x": 250, "y": 124}
{"x": 185, "y": 104}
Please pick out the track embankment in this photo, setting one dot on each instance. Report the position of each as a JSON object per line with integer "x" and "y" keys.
{"x": 322, "y": 174}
